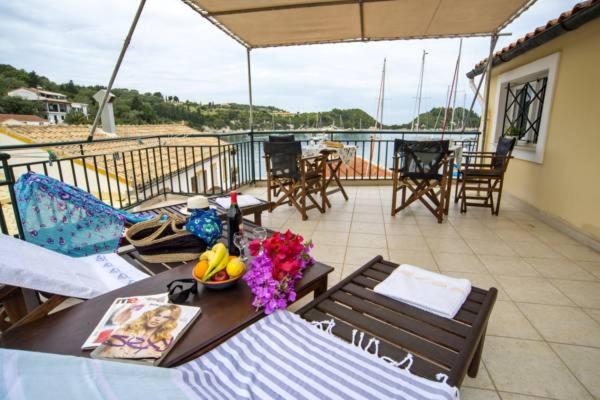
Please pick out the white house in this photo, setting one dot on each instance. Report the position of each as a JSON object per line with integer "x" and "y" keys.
{"x": 19, "y": 119}
{"x": 55, "y": 105}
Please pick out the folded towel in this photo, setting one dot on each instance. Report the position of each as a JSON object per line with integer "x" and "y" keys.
{"x": 244, "y": 200}
{"x": 429, "y": 291}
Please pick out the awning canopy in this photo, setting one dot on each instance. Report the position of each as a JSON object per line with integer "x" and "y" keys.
{"x": 269, "y": 23}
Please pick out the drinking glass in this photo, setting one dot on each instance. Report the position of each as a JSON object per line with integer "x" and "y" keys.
{"x": 241, "y": 242}
{"x": 260, "y": 233}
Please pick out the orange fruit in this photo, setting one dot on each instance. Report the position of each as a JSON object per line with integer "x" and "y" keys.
{"x": 200, "y": 269}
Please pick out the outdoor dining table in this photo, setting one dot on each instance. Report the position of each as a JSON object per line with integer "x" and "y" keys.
{"x": 224, "y": 312}
{"x": 336, "y": 157}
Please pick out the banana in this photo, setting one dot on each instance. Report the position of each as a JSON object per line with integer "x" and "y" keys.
{"x": 218, "y": 268}
{"x": 219, "y": 253}
{"x": 207, "y": 255}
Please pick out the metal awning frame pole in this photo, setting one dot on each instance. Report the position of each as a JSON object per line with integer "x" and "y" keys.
{"x": 251, "y": 112}
{"x": 116, "y": 69}
{"x": 488, "y": 79}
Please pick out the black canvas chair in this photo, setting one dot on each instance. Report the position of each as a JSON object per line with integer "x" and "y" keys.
{"x": 483, "y": 172}
{"x": 299, "y": 179}
{"x": 281, "y": 138}
{"x": 425, "y": 169}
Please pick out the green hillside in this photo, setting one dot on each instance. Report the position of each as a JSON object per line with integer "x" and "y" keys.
{"x": 133, "y": 107}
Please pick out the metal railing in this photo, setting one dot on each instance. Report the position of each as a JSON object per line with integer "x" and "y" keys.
{"x": 128, "y": 171}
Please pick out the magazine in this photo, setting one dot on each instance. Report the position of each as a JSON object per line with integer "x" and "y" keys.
{"x": 120, "y": 311}
{"x": 150, "y": 331}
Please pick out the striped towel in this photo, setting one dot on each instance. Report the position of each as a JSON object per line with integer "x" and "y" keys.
{"x": 279, "y": 357}
{"x": 284, "y": 357}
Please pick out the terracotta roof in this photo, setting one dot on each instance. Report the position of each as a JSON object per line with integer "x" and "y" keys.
{"x": 137, "y": 161}
{"x": 534, "y": 36}
{"x": 21, "y": 117}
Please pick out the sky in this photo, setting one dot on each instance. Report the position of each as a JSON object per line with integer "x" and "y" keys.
{"x": 177, "y": 52}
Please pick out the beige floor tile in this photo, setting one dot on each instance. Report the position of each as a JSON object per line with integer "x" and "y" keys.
{"x": 322, "y": 238}
{"x": 532, "y": 290}
{"x": 482, "y": 281}
{"x": 406, "y": 242}
{"x": 368, "y": 208}
{"x": 517, "y": 235}
{"x": 427, "y": 219}
{"x": 405, "y": 218}
{"x": 502, "y": 265}
{"x": 498, "y": 223}
{"x": 398, "y": 229}
{"x": 531, "y": 249}
{"x": 563, "y": 324}
{"x": 362, "y": 255}
{"x": 464, "y": 222}
{"x": 329, "y": 253}
{"x": 441, "y": 231}
{"x": 482, "y": 381}
{"x": 369, "y": 218}
{"x": 507, "y": 320}
{"x": 583, "y": 362}
{"x": 367, "y": 240}
{"x": 301, "y": 302}
{"x": 333, "y": 226}
{"x": 489, "y": 247}
{"x": 348, "y": 269}
{"x": 578, "y": 252}
{"x": 553, "y": 237}
{"x": 298, "y": 224}
{"x": 459, "y": 262}
{"x": 594, "y": 313}
{"x": 591, "y": 267}
{"x": 423, "y": 259}
{"x": 366, "y": 227}
{"x": 447, "y": 245}
{"x": 516, "y": 396}
{"x": 530, "y": 367}
{"x": 559, "y": 268}
{"x": 584, "y": 294}
{"x": 476, "y": 233}
{"x": 469, "y": 393}
{"x": 337, "y": 215}
{"x": 336, "y": 275}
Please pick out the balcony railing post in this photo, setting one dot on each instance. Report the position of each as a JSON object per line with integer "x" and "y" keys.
{"x": 252, "y": 155}
{"x": 10, "y": 181}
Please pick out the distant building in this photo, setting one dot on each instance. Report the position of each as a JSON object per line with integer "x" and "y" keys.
{"x": 18, "y": 119}
{"x": 55, "y": 105}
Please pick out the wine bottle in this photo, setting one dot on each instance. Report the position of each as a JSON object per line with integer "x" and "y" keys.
{"x": 234, "y": 223}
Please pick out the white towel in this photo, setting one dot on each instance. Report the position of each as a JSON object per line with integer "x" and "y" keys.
{"x": 244, "y": 200}
{"x": 429, "y": 291}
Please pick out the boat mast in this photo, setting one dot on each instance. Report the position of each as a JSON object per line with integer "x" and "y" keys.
{"x": 419, "y": 93}
{"x": 456, "y": 86}
{"x": 379, "y": 114}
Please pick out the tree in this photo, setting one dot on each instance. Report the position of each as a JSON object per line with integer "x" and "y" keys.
{"x": 136, "y": 103}
{"x": 16, "y": 105}
{"x": 33, "y": 80}
{"x": 75, "y": 117}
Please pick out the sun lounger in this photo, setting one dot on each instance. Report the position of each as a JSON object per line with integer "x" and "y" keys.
{"x": 436, "y": 347}
{"x": 281, "y": 356}
{"x": 28, "y": 266}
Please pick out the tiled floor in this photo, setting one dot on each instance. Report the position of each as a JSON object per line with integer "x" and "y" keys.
{"x": 543, "y": 339}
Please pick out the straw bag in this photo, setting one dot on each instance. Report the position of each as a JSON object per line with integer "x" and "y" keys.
{"x": 160, "y": 241}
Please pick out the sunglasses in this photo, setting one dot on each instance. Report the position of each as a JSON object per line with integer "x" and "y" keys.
{"x": 180, "y": 289}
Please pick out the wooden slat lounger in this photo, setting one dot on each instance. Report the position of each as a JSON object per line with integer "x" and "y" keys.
{"x": 438, "y": 345}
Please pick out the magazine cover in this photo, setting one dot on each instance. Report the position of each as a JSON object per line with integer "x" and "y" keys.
{"x": 149, "y": 333}
{"x": 117, "y": 314}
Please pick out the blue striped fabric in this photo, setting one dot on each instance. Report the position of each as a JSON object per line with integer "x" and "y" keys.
{"x": 280, "y": 357}
{"x": 284, "y": 357}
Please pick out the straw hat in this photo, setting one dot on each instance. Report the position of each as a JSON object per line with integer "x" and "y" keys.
{"x": 194, "y": 203}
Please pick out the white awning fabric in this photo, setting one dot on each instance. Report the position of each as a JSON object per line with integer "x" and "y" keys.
{"x": 269, "y": 23}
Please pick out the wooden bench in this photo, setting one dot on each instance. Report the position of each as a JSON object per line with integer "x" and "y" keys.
{"x": 438, "y": 345}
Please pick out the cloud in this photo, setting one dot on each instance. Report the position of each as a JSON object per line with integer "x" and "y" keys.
{"x": 177, "y": 52}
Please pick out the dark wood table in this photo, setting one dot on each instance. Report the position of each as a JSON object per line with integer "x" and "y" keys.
{"x": 224, "y": 313}
{"x": 254, "y": 210}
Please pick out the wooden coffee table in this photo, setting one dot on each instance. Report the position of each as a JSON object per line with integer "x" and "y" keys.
{"x": 254, "y": 210}
{"x": 224, "y": 313}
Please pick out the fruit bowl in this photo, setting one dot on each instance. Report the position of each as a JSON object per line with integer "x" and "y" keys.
{"x": 220, "y": 284}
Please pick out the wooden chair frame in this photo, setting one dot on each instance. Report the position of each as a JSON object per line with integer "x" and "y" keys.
{"x": 479, "y": 174}
{"x": 15, "y": 310}
{"x": 334, "y": 164}
{"x": 296, "y": 192}
{"x": 433, "y": 193}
